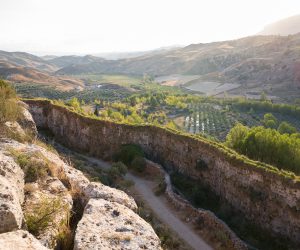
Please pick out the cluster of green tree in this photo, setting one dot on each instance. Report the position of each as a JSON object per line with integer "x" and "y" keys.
{"x": 266, "y": 106}
{"x": 132, "y": 156}
{"x": 159, "y": 99}
{"x": 270, "y": 121}
{"x": 87, "y": 95}
{"x": 136, "y": 110}
{"x": 9, "y": 109}
{"x": 280, "y": 148}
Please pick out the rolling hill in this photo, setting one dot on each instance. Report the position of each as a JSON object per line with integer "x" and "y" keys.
{"x": 23, "y": 67}
{"x": 268, "y": 59}
{"x": 284, "y": 27}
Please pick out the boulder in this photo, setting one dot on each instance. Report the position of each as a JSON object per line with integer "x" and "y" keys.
{"x": 96, "y": 190}
{"x": 11, "y": 215}
{"x": 110, "y": 225}
{"x": 19, "y": 240}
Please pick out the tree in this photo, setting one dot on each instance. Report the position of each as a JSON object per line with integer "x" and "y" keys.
{"x": 267, "y": 145}
{"x": 286, "y": 128}
{"x": 270, "y": 121}
{"x": 74, "y": 102}
{"x": 236, "y": 135}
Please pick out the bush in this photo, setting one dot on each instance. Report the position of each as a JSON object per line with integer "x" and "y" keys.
{"x": 41, "y": 215}
{"x": 35, "y": 167}
{"x": 286, "y": 128}
{"x": 9, "y": 109}
{"x": 117, "y": 170}
{"x": 138, "y": 164}
{"x": 128, "y": 152}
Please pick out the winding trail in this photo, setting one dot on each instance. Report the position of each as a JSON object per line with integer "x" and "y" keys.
{"x": 159, "y": 207}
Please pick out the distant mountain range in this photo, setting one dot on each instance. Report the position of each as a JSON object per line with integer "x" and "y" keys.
{"x": 284, "y": 27}
{"x": 271, "y": 63}
{"x": 268, "y": 59}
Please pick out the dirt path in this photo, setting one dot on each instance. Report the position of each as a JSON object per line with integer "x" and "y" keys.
{"x": 159, "y": 207}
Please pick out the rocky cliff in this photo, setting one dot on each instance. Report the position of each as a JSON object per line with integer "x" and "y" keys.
{"x": 261, "y": 193}
{"x": 40, "y": 194}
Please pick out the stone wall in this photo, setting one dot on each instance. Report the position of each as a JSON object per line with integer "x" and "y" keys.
{"x": 264, "y": 197}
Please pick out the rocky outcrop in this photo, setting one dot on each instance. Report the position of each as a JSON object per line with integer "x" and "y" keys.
{"x": 96, "y": 190}
{"x": 50, "y": 193}
{"x": 263, "y": 196}
{"x": 26, "y": 121}
{"x": 53, "y": 194}
{"x": 11, "y": 194}
{"x": 117, "y": 228}
{"x": 19, "y": 240}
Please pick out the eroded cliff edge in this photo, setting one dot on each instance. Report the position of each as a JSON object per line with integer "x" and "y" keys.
{"x": 268, "y": 197}
{"x": 39, "y": 193}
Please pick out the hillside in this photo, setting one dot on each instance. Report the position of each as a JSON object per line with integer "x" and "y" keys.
{"x": 284, "y": 27}
{"x": 26, "y": 68}
{"x": 22, "y": 59}
{"x": 255, "y": 60}
{"x": 65, "y": 61}
{"x": 245, "y": 66}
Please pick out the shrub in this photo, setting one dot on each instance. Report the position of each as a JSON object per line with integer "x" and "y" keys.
{"x": 41, "y": 215}
{"x": 121, "y": 167}
{"x": 117, "y": 170}
{"x": 35, "y": 166}
{"x": 286, "y": 128}
{"x": 128, "y": 152}
{"x": 138, "y": 164}
{"x": 9, "y": 109}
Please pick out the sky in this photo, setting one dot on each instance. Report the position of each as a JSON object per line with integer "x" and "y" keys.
{"x": 95, "y": 26}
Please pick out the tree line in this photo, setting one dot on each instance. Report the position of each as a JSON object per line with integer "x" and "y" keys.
{"x": 279, "y": 147}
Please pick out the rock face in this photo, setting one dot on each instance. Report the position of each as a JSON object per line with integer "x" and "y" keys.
{"x": 117, "y": 228}
{"x": 101, "y": 202}
{"x": 27, "y": 122}
{"x": 11, "y": 194}
{"x": 19, "y": 240}
{"x": 264, "y": 197}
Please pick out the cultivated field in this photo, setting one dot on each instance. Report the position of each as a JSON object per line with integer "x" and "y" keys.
{"x": 175, "y": 80}
{"x": 212, "y": 88}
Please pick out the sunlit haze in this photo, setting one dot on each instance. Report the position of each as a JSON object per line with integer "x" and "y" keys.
{"x": 93, "y": 26}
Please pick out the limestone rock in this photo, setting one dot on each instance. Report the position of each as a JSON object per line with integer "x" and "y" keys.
{"x": 19, "y": 240}
{"x": 11, "y": 215}
{"x": 117, "y": 228}
{"x": 98, "y": 190}
{"x": 50, "y": 192}
{"x": 13, "y": 173}
{"x": 26, "y": 121}
{"x": 11, "y": 194}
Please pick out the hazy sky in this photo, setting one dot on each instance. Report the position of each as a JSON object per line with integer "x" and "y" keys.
{"x": 92, "y": 26}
